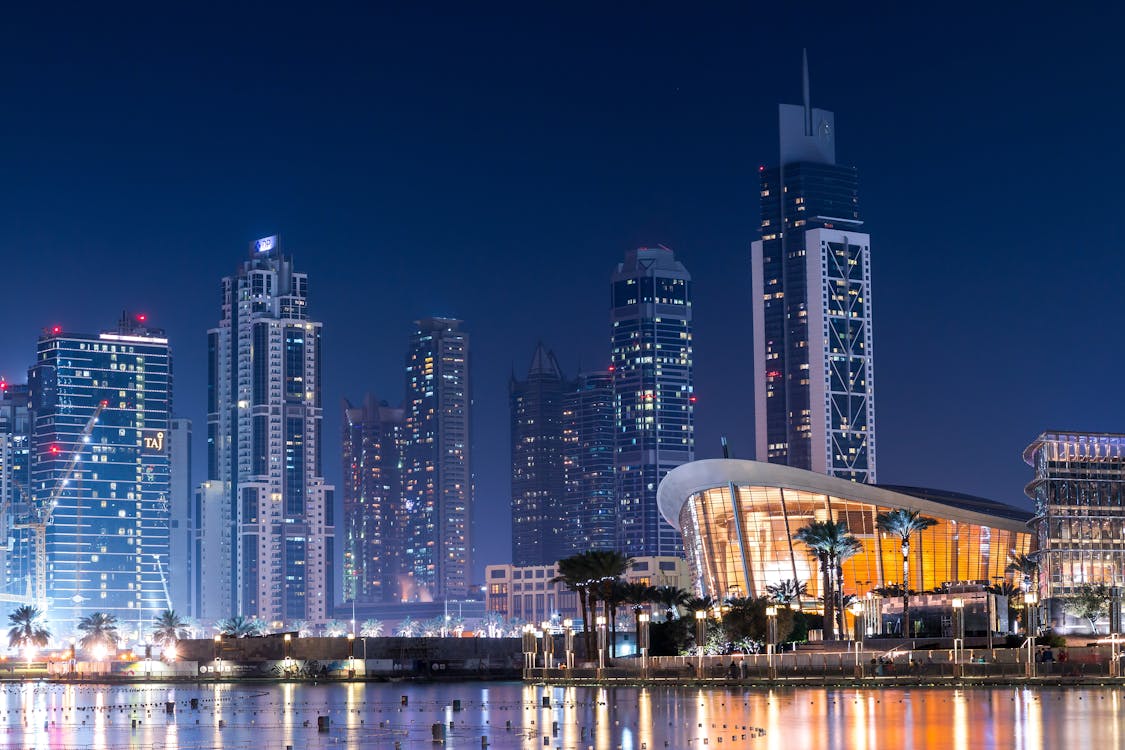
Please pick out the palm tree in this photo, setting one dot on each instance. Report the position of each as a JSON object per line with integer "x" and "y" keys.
{"x": 787, "y": 591}
{"x": 407, "y": 628}
{"x": 98, "y": 629}
{"x": 26, "y": 629}
{"x": 1027, "y": 566}
{"x": 335, "y": 629}
{"x": 605, "y": 567}
{"x": 575, "y": 575}
{"x": 303, "y": 628}
{"x": 831, "y": 543}
{"x": 903, "y": 523}
{"x": 240, "y": 626}
{"x": 637, "y": 595}
{"x": 671, "y": 598}
{"x": 371, "y": 628}
{"x": 168, "y": 627}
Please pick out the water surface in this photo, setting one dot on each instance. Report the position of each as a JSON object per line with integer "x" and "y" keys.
{"x": 511, "y": 715}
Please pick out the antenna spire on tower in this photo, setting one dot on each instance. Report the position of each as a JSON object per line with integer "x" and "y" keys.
{"x": 805, "y": 90}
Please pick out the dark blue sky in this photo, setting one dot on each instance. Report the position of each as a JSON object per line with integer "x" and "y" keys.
{"x": 494, "y": 162}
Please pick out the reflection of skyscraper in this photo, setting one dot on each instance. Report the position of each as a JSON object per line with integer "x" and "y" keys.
{"x": 263, "y": 440}
{"x": 589, "y": 509}
{"x": 437, "y": 478}
{"x": 653, "y": 399}
{"x": 372, "y": 501}
{"x": 811, "y": 285}
{"x": 537, "y": 462}
{"x": 107, "y": 543}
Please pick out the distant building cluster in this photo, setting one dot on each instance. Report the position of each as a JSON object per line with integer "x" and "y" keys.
{"x": 99, "y": 511}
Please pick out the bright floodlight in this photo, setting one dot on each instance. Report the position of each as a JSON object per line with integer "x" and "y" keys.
{"x": 100, "y": 652}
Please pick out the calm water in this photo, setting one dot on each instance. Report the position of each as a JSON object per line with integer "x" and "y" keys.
{"x": 370, "y": 716}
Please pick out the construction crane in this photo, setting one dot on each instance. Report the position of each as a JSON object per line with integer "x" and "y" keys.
{"x": 47, "y": 511}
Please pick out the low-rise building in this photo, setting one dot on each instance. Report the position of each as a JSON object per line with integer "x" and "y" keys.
{"x": 528, "y": 592}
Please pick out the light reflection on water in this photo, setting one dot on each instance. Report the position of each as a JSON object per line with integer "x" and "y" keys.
{"x": 258, "y": 717}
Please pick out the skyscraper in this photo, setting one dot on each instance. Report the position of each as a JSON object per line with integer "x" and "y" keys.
{"x": 538, "y": 483}
{"x": 654, "y": 402}
{"x": 437, "y": 476}
{"x": 181, "y": 533}
{"x": 15, "y": 477}
{"x": 263, "y": 443}
{"x": 589, "y": 509}
{"x": 107, "y": 544}
{"x": 373, "y": 518}
{"x": 814, "y": 397}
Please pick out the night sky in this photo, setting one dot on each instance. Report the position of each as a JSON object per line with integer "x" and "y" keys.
{"x": 493, "y": 163}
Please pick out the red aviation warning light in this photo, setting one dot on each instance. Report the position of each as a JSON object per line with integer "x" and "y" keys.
{"x": 54, "y": 449}
{"x": 141, "y": 318}
{"x": 691, "y": 399}
{"x": 56, "y": 330}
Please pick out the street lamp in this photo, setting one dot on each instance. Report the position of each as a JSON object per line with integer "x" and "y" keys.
{"x": 601, "y": 623}
{"x": 1031, "y": 607}
{"x": 771, "y": 635}
{"x": 548, "y": 645}
{"x": 642, "y": 638}
{"x": 958, "y": 629}
{"x": 568, "y": 642}
{"x": 700, "y": 637}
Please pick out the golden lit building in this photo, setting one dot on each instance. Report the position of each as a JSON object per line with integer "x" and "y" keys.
{"x": 739, "y": 519}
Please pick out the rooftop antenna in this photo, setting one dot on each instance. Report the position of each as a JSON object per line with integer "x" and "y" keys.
{"x": 805, "y": 90}
{"x": 726, "y": 448}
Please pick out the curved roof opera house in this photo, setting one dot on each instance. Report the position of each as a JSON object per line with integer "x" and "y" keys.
{"x": 738, "y": 520}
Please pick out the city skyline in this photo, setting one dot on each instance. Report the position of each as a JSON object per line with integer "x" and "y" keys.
{"x": 930, "y": 130}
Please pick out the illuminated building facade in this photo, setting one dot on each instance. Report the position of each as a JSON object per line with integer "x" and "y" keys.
{"x": 526, "y": 592}
{"x": 437, "y": 476}
{"x": 373, "y": 518}
{"x": 654, "y": 402}
{"x": 264, "y": 418}
{"x": 538, "y": 481}
{"x": 739, "y": 520}
{"x": 589, "y": 506}
{"x": 814, "y": 384}
{"x": 107, "y": 547}
{"x": 15, "y": 476}
{"x": 182, "y": 575}
{"x": 1079, "y": 494}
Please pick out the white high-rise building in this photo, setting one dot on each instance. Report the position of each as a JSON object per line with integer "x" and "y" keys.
{"x": 814, "y": 383}
{"x": 263, "y": 441}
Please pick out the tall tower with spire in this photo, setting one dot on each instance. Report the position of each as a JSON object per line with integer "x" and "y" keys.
{"x": 814, "y": 381}
{"x": 538, "y": 481}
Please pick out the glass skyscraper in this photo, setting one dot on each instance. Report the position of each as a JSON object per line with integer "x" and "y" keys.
{"x": 654, "y": 402}
{"x": 264, "y": 418}
{"x": 107, "y": 547}
{"x": 15, "y": 476}
{"x": 437, "y": 475}
{"x": 814, "y": 384}
{"x": 373, "y": 518}
{"x": 589, "y": 509}
{"x": 538, "y": 483}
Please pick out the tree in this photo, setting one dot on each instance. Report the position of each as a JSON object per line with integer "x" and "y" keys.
{"x": 574, "y": 573}
{"x": 371, "y": 628}
{"x": 26, "y": 628}
{"x": 1089, "y": 601}
{"x": 637, "y": 595}
{"x": 671, "y": 598}
{"x": 335, "y": 629}
{"x": 98, "y": 629}
{"x": 788, "y": 591}
{"x": 903, "y": 524}
{"x": 605, "y": 567}
{"x": 168, "y": 627}
{"x": 831, "y": 544}
{"x": 240, "y": 626}
{"x": 407, "y": 628}
{"x": 1027, "y": 566}
{"x": 303, "y": 628}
